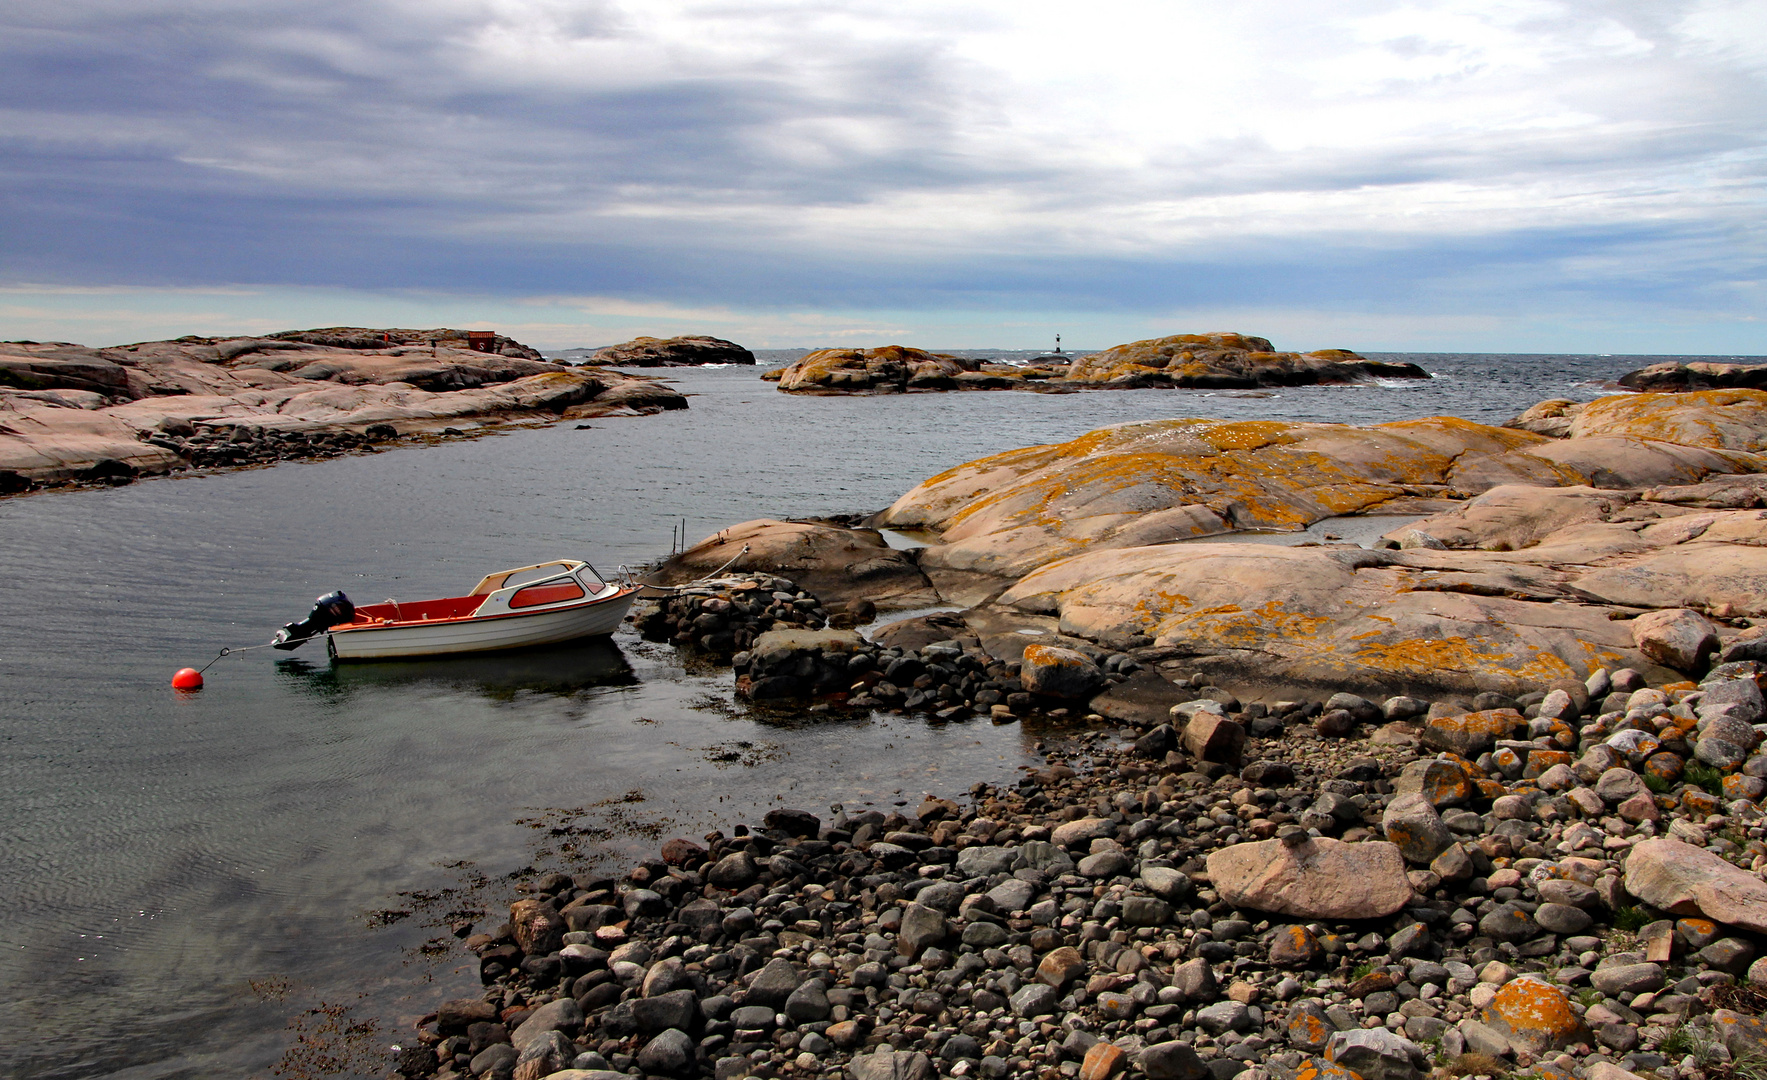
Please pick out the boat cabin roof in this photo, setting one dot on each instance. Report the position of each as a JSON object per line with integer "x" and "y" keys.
{"x": 490, "y": 583}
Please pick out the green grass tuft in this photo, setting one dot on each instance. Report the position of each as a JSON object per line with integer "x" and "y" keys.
{"x": 1749, "y": 1067}
{"x": 1657, "y": 784}
{"x": 1632, "y": 919}
{"x": 1701, "y": 775}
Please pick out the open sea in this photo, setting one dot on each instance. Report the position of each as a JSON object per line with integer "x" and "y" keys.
{"x": 256, "y": 880}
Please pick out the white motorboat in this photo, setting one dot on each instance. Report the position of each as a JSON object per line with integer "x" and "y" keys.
{"x": 543, "y": 604}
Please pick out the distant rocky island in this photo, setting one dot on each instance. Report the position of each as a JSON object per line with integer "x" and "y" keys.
{"x": 1216, "y": 361}
{"x": 71, "y": 414}
{"x": 690, "y": 351}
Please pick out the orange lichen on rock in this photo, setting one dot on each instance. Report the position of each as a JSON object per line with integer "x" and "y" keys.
{"x": 1313, "y": 1068}
{"x": 1225, "y": 360}
{"x": 1534, "y": 1016}
{"x": 1422, "y": 657}
{"x": 891, "y": 369}
{"x": 1715, "y": 419}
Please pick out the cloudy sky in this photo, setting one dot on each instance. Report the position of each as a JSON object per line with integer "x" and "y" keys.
{"x": 1503, "y": 175}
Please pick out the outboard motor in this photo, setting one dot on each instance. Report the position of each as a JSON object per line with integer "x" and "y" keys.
{"x": 328, "y": 611}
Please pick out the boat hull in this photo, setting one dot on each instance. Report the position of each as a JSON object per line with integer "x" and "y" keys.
{"x": 478, "y": 635}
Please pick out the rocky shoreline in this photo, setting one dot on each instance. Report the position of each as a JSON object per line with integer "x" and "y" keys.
{"x": 70, "y": 415}
{"x": 1332, "y": 894}
{"x": 1540, "y": 851}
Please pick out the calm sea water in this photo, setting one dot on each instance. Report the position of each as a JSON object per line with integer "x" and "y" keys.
{"x": 190, "y": 881}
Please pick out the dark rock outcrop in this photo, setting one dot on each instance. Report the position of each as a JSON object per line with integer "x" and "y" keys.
{"x": 1700, "y": 375}
{"x": 690, "y": 351}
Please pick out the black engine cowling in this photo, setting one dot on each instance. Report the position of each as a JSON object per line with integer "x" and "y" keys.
{"x": 328, "y": 611}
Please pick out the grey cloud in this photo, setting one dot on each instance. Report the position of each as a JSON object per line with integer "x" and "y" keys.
{"x": 288, "y": 139}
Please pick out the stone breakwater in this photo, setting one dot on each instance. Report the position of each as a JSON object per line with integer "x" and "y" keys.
{"x": 70, "y": 414}
{"x": 728, "y": 614}
{"x": 1199, "y": 361}
{"x": 948, "y": 679}
{"x": 1444, "y": 894}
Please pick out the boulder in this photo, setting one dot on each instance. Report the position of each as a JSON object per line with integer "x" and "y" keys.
{"x": 921, "y": 926}
{"x": 1102, "y": 1060}
{"x": 1441, "y": 782}
{"x": 772, "y": 986}
{"x": 1376, "y": 1054}
{"x": 887, "y": 1064}
{"x": 1725, "y": 742}
{"x": 1534, "y": 1016}
{"x": 538, "y": 927}
{"x": 1166, "y": 883}
{"x": 1685, "y": 880}
{"x": 834, "y": 563}
{"x": 1061, "y": 967}
{"x": 1034, "y": 1000}
{"x": 1550, "y": 418}
{"x": 1294, "y": 946}
{"x": 1744, "y": 1036}
{"x": 1171, "y": 1061}
{"x": 1618, "y": 784}
{"x": 1082, "y": 831}
{"x": 1144, "y": 699}
{"x": 1317, "y": 879}
{"x": 560, "y": 1015}
{"x": 1740, "y": 699}
{"x": 1210, "y": 736}
{"x": 734, "y": 871}
{"x": 1619, "y": 979}
{"x": 1061, "y": 673}
{"x": 1677, "y": 638}
{"x": 669, "y": 1053}
{"x": 1471, "y": 734}
{"x": 1411, "y": 822}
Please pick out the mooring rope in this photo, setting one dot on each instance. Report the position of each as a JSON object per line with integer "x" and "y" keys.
{"x": 230, "y": 650}
{"x": 624, "y": 569}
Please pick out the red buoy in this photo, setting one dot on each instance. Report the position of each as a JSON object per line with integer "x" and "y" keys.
{"x": 187, "y": 679}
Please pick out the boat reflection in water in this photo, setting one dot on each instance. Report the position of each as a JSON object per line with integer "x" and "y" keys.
{"x": 561, "y": 670}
